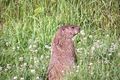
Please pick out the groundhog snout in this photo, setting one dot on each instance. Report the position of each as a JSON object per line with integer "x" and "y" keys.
{"x": 77, "y": 30}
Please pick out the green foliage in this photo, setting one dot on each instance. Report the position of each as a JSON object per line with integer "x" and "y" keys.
{"x": 27, "y": 28}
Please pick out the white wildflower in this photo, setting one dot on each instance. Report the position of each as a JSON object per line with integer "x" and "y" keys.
{"x": 107, "y": 35}
{"x": 85, "y": 38}
{"x": 90, "y": 64}
{"x": 119, "y": 54}
{"x": 78, "y": 66}
{"x": 41, "y": 57}
{"x": 25, "y": 64}
{"x": 30, "y": 66}
{"x": 8, "y": 66}
{"x": 33, "y": 45}
{"x": 90, "y": 36}
{"x": 113, "y": 47}
{"x": 37, "y": 78}
{"x": 82, "y": 32}
{"x": 33, "y": 71}
{"x": 15, "y": 78}
{"x": 6, "y": 69}
{"x": 7, "y": 43}
{"x": 119, "y": 40}
{"x": 110, "y": 54}
{"x": 47, "y": 56}
{"x": 91, "y": 73}
{"x": 47, "y": 46}
{"x": 97, "y": 45}
{"x": 36, "y": 61}
{"x": 21, "y": 59}
{"x": 106, "y": 61}
{"x": 13, "y": 48}
{"x": 77, "y": 70}
{"x": 21, "y": 78}
{"x": 92, "y": 49}
{"x": 30, "y": 46}
{"x": 0, "y": 68}
{"x": 18, "y": 47}
{"x": 98, "y": 62}
{"x": 79, "y": 49}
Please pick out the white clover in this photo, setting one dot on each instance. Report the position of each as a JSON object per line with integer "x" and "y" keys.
{"x": 79, "y": 49}
{"x": 13, "y": 48}
{"x": 18, "y": 47}
{"x": 31, "y": 66}
{"x": 47, "y": 56}
{"x": 113, "y": 47}
{"x": 33, "y": 45}
{"x": 91, "y": 73}
{"x": 8, "y": 66}
{"x": 6, "y": 69}
{"x": 47, "y": 46}
{"x": 106, "y": 61}
{"x": 36, "y": 61}
{"x": 21, "y": 78}
{"x": 74, "y": 67}
{"x": 1, "y": 68}
{"x": 85, "y": 38}
{"x": 7, "y": 43}
{"x": 41, "y": 57}
{"x": 98, "y": 61}
{"x": 37, "y": 78}
{"x": 25, "y": 64}
{"x": 96, "y": 45}
{"x": 119, "y": 40}
{"x": 90, "y": 36}
{"x": 32, "y": 71}
{"x": 77, "y": 70}
{"x": 107, "y": 35}
{"x": 15, "y": 78}
{"x": 92, "y": 49}
{"x": 107, "y": 74}
{"x": 78, "y": 66}
{"x": 21, "y": 59}
{"x": 119, "y": 54}
{"x": 110, "y": 54}
{"x": 30, "y": 46}
{"x": 82, "y": 32}
{"x": 90, "y": 64}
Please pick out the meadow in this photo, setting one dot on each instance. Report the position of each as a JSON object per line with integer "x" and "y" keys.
{"x": 28, "y": 26}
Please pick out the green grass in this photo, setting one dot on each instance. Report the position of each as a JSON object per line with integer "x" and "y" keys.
{"x": 27, "y": 27}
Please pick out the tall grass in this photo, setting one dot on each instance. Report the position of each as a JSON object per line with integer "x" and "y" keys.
{"x": 27, "y": 28}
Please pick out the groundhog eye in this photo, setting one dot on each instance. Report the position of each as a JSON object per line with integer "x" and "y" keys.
{"x": 63, "y": 29}
{"x": 72, "y": 27}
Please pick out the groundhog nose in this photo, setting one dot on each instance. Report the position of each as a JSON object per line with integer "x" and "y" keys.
{"x": 77, "y": 30}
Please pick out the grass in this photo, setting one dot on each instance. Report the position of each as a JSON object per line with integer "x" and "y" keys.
{"x": 27, "y": 28}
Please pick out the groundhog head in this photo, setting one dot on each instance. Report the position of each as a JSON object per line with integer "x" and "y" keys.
{"x": 69, "y": 31}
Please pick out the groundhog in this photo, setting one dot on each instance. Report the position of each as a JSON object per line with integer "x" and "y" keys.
{"x": 63, "y": 56}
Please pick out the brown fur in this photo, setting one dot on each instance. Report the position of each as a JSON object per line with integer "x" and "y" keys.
{"x": 63, "y": 52}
